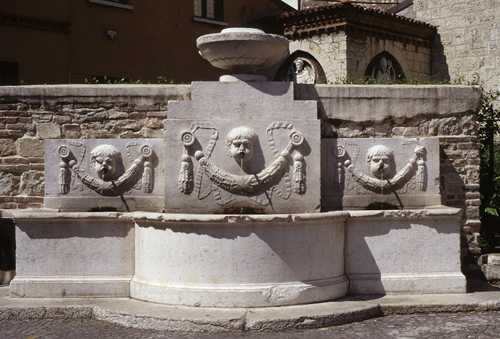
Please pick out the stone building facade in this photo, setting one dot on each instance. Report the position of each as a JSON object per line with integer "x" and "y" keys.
{"x": 69, "y": 41}
{"x": 468, "y": 37}
{"x": 347, "y": 40}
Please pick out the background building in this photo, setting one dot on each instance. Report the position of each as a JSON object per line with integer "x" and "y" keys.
{"x": 68, "y": 41}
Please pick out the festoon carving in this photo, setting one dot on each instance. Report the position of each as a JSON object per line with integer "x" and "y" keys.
{"x": 111, "y": 178}
{"x": 240, "y": 144}
{"x": 382, "y": 176}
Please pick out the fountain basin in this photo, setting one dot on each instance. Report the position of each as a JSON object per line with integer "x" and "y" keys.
{"x": 243, "y": 50}
{"x": 239, "y": 260}
{"x": 236, "y": 260}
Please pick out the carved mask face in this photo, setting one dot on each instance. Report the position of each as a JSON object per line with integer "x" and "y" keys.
{"x": 241, "y": 143}
{"x": 241, "y": 149}
{"x": 105, "y": 167}
{"x": 381, "y": 162}
{"x": 105, "y": 159}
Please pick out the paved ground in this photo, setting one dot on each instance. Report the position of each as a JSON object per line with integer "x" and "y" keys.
{"x": 444, "y": 325}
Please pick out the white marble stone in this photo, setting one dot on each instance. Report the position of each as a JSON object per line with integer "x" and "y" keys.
{"x": 404, "y": 252}
{"x": 243, "y": 50}
{"x": 239, "y": 261}
{"x": 278, "y": 170}
{"x": 72, "y": 254}
{"x": 104, "y": 174}
{"x": 380, "y": 173}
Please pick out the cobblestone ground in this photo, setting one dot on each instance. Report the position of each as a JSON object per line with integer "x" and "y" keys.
{"x": 456, "y": 325}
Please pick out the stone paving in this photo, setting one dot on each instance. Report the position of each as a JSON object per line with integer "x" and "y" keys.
{"x": 444, "y": 325}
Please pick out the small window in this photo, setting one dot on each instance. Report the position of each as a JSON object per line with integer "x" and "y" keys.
{"x": 209, "y": 9}
{"x": 9, "y": 73}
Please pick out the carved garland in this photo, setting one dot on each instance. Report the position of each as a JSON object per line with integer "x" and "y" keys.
{"x": 251, "y": 184}
{"x": 398, "y": 180}
{"x": 106, "y": 188}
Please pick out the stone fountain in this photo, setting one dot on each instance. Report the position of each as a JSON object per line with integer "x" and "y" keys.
{"x": 242, "y": 204}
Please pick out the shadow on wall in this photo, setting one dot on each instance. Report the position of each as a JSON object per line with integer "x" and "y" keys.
{"x": 439, "y": 65}
{"x": 7, "y": 251}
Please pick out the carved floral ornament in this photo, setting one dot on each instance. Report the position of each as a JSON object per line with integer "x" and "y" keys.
{"x": 240, "y": 145}
{"x": 111, "y": 178}
{"x": 382, "y": 176}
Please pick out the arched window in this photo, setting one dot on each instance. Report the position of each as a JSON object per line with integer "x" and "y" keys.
{"x": 384, "y": 68}
{"x": 302, "y": 68}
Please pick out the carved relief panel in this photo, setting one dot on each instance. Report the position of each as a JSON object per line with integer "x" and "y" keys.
{"x": 376, "y": 173}
{"x": 243, "y": 165}
{"x": 104, "y": 174}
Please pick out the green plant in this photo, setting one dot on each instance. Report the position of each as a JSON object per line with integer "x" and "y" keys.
{"x": 489, "y": 119}
{"x": 109, "y": 80}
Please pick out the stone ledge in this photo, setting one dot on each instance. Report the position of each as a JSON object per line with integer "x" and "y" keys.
{"x": 378, "y": 102}
{"x": 435, "y": 212}
{"x": 79, "y": 91}
{"x": 145, "y": 315}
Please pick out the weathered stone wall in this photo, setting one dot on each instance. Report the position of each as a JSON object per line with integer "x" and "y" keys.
{"x": 330, "y": 50}
{"x": 415, "y": 59}
{"x": 346, "y": 57}
{"x": 469, "y": 34}
{"x": 29, "y": 114}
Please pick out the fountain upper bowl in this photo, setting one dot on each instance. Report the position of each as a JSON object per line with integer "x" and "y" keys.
{"x": 243, "y": 50}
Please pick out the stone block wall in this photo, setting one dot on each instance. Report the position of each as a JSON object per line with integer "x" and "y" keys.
{"x": 330, "y": 50}
{"x": 469, "y": 34}
{"x": 415, "y": 59}
{"x": 346, "y": 57}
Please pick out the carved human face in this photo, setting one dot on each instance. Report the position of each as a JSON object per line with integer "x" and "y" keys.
{"x": 240, "y": 143}
{"x": 381, "y": 162}
{"x": 105, "y": 167}
{"x": 105, "y": 159}
{"x": 299, "y": 65}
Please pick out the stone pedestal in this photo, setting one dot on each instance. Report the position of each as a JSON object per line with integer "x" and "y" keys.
{"x": 243, "y": 148}
{"x": 239, "y": 261}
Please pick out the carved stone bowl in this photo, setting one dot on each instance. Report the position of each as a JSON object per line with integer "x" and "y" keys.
{"x": 243, "y": 50}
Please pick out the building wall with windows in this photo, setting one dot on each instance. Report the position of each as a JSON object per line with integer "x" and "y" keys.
{"x": 69, "y": 41}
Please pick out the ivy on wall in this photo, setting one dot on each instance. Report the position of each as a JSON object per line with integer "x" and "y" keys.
{"x": 489, "y": 119}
